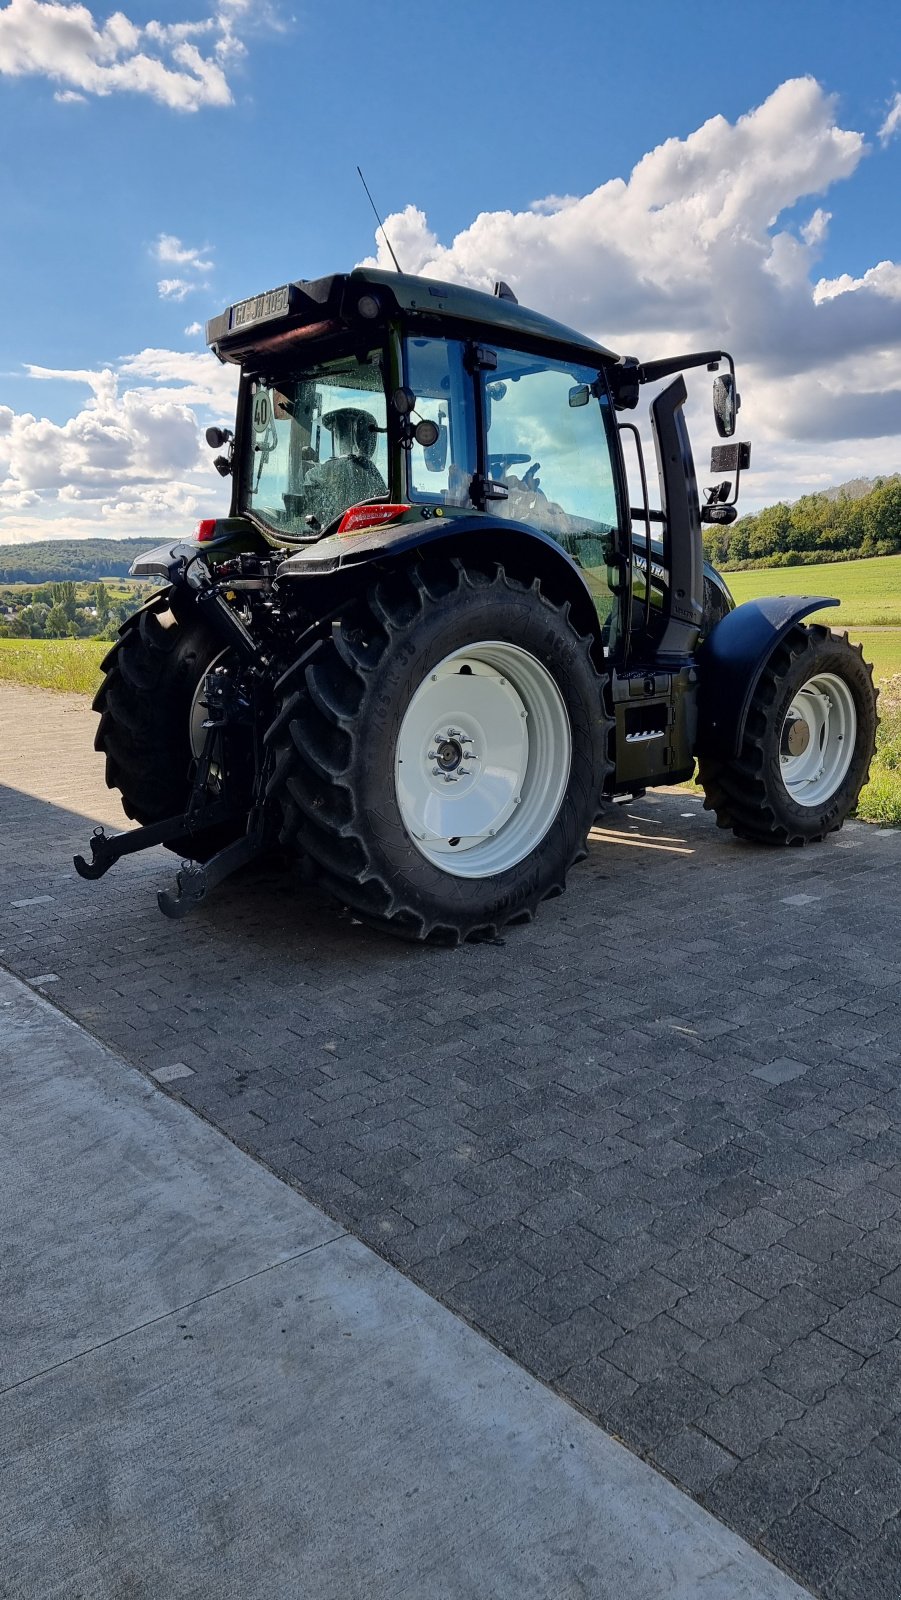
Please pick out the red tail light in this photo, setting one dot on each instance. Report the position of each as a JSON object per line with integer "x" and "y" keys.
{"x": 206, "y": 529}
{"x": 360, "y": 517}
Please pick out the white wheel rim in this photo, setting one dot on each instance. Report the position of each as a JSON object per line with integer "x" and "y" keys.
{"x": 816, "y": 743}
{"x": 483, "y": 759}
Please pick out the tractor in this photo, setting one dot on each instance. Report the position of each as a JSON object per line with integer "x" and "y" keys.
{"x": 435, "y": 635}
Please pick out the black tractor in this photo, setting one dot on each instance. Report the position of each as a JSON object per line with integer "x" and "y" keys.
{"x": 434, "y": 635}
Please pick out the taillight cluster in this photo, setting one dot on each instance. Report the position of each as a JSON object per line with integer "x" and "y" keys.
{"x": 360, "y": 517}
{"x": 353, "y": 521}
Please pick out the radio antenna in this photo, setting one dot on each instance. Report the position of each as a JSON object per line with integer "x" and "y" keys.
{"x": 379, "y": 220}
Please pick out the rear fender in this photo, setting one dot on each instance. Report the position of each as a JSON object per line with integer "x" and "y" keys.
{"x": 731, "y": 661}
{"x": 519, "y": 548}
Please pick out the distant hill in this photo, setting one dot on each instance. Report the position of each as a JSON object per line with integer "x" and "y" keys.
{"x": 856, "y": 488}
{"x": 60, "y": 560}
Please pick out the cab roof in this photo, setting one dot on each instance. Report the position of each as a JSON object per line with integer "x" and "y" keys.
{"x": 321, "y": 306}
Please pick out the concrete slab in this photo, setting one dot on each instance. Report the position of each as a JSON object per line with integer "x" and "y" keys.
{"x": 212, "y": 1395}
{"x": 117, "y": 1208}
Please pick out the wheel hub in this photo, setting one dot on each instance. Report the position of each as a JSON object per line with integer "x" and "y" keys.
{"x": 816, "y": 744}
{"x": 449, "y": 752}
{"x": 795, "y": 736}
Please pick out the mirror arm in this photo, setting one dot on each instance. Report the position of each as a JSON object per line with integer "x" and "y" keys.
{"x": 653, "y": 371}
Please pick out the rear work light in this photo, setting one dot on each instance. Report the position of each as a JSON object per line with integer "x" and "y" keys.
{"x": 360, "y": 517}
{"x": 206, "y": 529}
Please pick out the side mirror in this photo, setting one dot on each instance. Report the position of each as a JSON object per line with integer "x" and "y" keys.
{"x": 725, "y": 405}
{"x": 435, "y": 455}
{"x": 579, "y": 396}
{"x": 217, "y": 437}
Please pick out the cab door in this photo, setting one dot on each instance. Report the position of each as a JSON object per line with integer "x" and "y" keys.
{"x": 550, "y": 442}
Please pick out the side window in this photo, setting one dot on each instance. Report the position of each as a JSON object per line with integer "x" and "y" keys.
{"x": 551, "y": 455}
{"x": 548, "y": 443}
{"x": 441, "y": 473}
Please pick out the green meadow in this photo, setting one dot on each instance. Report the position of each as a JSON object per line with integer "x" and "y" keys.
{"x": 869, "y": 591}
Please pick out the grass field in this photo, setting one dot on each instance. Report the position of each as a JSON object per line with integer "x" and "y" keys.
{"x": 71, "y": 665}
{"x": 869, "y": 591}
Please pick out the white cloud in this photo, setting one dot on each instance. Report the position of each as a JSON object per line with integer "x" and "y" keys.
{"x": 892, "y": 123}
{"x": 170, "y": 250}
{"x": 688, "y": 251}
{"x": 883, "y": 279}
{"x": 193, "y": 329}
{"x": 130, "y": 460}
{"x": 175, "y": 288}
{"x": 61, "y": 40}
{"x": 815, "y": 230}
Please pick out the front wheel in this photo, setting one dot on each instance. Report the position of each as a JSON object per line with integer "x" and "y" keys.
{"x": 441, "y": 754}
{"x": 808, "y": 743}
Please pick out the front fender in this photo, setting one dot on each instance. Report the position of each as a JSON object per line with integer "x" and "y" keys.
{"x": 730, "y": 663}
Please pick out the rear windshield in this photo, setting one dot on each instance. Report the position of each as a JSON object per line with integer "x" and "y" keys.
{"x": 317, "y": 445}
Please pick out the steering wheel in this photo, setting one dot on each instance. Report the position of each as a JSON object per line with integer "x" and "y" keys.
{"x": 499, "y": 464}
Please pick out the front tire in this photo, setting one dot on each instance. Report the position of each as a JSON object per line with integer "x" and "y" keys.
{"x": 808, "y": 743}
{"x": 441, "y": 755}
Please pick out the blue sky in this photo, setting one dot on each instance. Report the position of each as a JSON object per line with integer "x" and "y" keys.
{"x": 210, "y": 148}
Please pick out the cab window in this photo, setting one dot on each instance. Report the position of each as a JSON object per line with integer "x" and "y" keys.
{"x": 548, "y": 442}
{"x": 441, "y": 473}
{"x": 317, "y": 445}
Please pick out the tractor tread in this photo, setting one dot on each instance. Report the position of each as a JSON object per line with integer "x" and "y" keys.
{"x": 316, "y": 732}
{"x": 737, "y": 790}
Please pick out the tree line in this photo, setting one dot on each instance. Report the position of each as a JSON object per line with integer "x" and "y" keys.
{"x": 69, "y": 560}
{"x": 818, "y": 527}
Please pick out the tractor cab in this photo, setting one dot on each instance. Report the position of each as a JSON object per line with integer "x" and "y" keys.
{"x": 377, "y": 400}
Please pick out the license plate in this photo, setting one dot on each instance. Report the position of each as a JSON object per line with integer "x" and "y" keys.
{"x": 274, "y": 303}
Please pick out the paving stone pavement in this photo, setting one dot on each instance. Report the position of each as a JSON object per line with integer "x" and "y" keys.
{"x": 651, "y": 1145}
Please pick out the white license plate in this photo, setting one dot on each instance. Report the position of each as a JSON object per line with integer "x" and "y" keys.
{"x": 274, "y": 303}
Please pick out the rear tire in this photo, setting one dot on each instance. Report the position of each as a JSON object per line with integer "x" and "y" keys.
{"x": 808, "y": 743}
{"x": 152, "y": 676}
{"x": 352, "y": 712}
